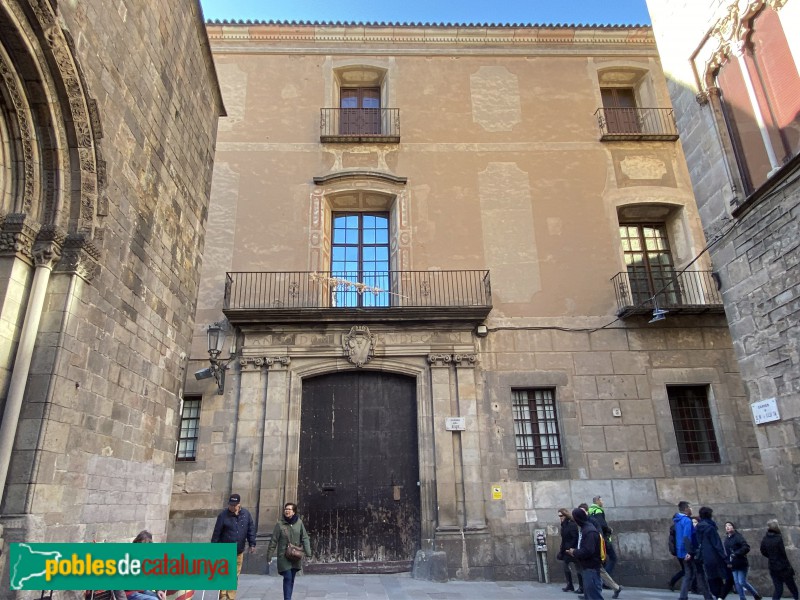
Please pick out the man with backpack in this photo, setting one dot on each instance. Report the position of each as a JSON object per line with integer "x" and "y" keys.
{"x": 607, "y": 580}
{"x": 673, "y": 550}
{"x": 587, "y": 554}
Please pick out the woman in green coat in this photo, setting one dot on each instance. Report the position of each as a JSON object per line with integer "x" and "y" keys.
{"x": 289, "y": 528}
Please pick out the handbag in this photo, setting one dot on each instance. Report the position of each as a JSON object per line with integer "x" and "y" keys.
{"x": 292, "y": 552}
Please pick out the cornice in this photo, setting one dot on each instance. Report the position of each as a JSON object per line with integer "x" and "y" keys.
{"x": 429, "y": 35}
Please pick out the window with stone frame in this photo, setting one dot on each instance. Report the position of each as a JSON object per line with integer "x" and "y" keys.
{"x": 190, "y": 425}
{"x": 536, "y": 431}
{"x": 694, "y": 427}
{"x": 759, "y": 93}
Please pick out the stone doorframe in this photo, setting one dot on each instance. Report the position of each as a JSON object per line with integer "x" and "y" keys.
{"x": 266, "y": 460}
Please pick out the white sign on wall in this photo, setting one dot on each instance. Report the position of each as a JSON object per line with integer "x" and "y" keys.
{"x": 455, "y": 424}
{"x": 765, "y": 411}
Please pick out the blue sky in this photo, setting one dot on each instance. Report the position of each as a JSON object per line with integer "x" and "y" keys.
{"x": 606, "y": 12}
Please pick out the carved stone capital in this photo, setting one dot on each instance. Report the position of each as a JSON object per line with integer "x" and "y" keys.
{"x": 359, "y": 345}
{"x": 256, "y": 363}
{"x": 47, "y": 247}
{"x": 440, "y": 360}
{"x": 79, "y": 256}
{"x": 465, "y": 360}
{"x": 17, "y": 236}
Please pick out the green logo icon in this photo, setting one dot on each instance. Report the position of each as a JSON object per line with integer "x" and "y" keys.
{"x": 122, "y": 566}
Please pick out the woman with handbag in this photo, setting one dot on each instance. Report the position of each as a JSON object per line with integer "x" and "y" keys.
{"x": 780, "y": 569}
{"x": 291, "y": 541}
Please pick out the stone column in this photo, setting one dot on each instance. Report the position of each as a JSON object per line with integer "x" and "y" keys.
{"x": 46, "y": 252}
{"x": 474, "y": 507}
{"x": 276, "y": 447}
{"x": 249, "y": 432}
{"x": 446, "y": 494}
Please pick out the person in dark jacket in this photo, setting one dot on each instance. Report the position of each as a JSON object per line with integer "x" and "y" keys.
{"x": 288, "y": 529}
{"x": 780, "y": 569}
{"x": 715, "y": 563}
{"x": 587, "y": 554}
{"x": 235, "y": 525}
{"x": 736, "y": 548}
{"x": 569, "y": 539}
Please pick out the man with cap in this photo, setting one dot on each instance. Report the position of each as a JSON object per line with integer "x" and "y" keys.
{"x": 587, "y": 554}
{"x": 235, "y": 525}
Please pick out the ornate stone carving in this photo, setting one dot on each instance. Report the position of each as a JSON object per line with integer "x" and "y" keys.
{"x": 257, "y": 362}
{"x": 440, "y": 360}
{"x": 17, "y": 235}
{"x": 731, "y": 32}
{"x": 24, "y": 127}
{"x": 465, "y": 360}
{"x": 59, "y": 43}
{"x": 359, "y": 345}
{"x": 456, "y": 359}
{"x": 48, "y": 245}
{"x": 79, "y": 256}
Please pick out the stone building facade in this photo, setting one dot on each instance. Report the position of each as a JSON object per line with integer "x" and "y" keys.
{"x": 724, "y": 64}
{"x": 108, "y": 120}
{"x": 443, "y": 254}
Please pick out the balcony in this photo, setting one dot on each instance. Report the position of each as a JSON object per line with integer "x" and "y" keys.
{"x": 362, "y": 125}
{"x": 378, "y": 296}
{"x": 656, "y": 124}
{"x": 689, "y": 292}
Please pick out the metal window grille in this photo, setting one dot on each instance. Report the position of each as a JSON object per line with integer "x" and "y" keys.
{"x": 190, "y": 424}
{"x": 536, "y": 428}
{"x": 694, "y": 429}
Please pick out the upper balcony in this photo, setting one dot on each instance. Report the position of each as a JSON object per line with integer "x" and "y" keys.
{"x": 676, "y": 291}
{"x": 361, "y": 125}
{"x": 656, "y": 124}
{"x": 375, "y": 296}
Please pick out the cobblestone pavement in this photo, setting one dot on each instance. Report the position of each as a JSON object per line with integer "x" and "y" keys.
{"x": 403, "y": 587}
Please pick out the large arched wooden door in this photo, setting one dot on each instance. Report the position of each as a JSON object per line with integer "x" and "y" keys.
{"x": 358, "y": 485}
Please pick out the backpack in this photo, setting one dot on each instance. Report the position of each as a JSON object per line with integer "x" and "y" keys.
{"x": 602, "y": 550}
{"x": 673, "y": 545}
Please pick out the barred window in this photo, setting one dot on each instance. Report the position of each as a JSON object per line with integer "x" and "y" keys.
{"x": 694, "y": 429}
{"x": 536, "y": 428}
{"x": 190, "y": 423}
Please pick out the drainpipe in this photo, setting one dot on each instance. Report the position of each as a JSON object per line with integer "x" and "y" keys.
{"x": 46, "y": 252}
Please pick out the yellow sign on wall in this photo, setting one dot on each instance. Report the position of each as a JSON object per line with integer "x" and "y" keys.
{"x": 497, "y": 492}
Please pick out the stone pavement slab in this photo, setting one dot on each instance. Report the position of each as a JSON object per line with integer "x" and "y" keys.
{"x": 403, "y": 587}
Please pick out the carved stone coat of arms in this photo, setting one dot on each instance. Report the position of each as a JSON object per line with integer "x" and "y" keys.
{"x": 359, "y": 345}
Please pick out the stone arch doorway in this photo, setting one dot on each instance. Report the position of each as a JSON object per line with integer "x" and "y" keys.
{"x": 358, "y": 479}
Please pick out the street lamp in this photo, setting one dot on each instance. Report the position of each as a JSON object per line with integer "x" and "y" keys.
{"x": 216, "y": 342}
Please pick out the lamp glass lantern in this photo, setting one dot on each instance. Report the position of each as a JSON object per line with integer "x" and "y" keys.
{"x": 216, "y": 340}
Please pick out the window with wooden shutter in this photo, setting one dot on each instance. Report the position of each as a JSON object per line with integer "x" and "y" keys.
{"x": 779, "y": 81}
{"x": 745, "y": 134}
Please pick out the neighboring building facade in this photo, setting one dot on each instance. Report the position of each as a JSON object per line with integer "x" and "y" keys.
{"x": 108, "y": 118}
{"x": 733, "y": 77}
{"x": 439, "y": 250}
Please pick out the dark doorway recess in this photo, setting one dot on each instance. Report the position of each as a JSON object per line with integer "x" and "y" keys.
{"x": 359, "y": 469}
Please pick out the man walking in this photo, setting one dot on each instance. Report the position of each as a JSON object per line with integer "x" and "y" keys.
{"x": 235, "y": 525}
{"x": 685, "y": 545}
{"x": 587, "y": 554}
{"x": 598, "y": 514}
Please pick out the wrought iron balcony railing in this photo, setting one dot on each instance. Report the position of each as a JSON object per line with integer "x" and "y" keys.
{"x": 636, "y": 124}
{"x": 359, "y": 125}
{"x": 676, "y": 291}
{"x": 373, "y": 295}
